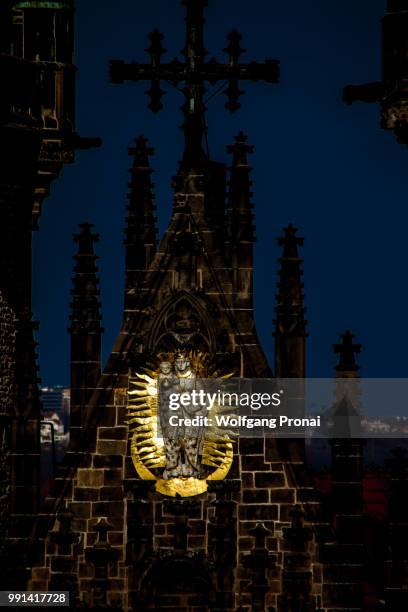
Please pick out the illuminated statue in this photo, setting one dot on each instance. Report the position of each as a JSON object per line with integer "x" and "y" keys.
{"x": 182, "y": 442}
{"x": 180, "y": 458}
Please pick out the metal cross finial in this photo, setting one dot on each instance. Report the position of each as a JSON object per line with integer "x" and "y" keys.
{"x": 191, "y": 75}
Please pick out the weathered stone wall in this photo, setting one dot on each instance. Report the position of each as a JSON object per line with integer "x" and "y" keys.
{"x": 119, "y": 542}
{"x": 274, "y": 484}
{"x": 7, "y": 365}
{"x": 7, "y": 398}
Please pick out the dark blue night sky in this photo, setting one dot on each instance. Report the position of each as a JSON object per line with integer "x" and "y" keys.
{"x": 326, "y": 167}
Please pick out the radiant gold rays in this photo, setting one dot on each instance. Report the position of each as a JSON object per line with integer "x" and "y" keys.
{"x": 142, "y": 421}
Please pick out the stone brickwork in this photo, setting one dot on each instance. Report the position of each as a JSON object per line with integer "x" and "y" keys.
{"x": 115, "y": 536}
{"x": 85, "y": 548}
{"x": 274, "y": 481}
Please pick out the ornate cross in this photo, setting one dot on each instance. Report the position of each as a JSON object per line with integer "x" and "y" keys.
{"x": 193, "y": 73}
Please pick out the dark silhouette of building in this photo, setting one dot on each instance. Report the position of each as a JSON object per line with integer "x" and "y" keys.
{"x": 392, "y": 91}
{"x": 37, "y": 136}
{"x": 259, "y": 538}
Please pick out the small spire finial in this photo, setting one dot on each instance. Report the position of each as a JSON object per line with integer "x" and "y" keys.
{"x": 290, "y": 241}
{"x": 347, "y": 350}
{"x": 234, "y": 48}
{"x": 141, "y": 152}
{"x": 156, "y": 49}
{"x": 240, "y": 150}
{"x": 85, "y": 238}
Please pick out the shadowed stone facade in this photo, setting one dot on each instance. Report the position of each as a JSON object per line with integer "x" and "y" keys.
{"x": 208, "y": 547}
{"x": 37, "y": 137}
{"x": 259, "y": 540}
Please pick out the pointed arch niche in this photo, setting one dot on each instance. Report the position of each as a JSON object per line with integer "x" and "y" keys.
{"x": 183, "y": 323}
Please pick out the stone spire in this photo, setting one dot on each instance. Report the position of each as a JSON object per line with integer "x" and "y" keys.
{"x": 240, "y": 208}
{"x": 141, "y": 222}
{"x": 290, "y": 323}
{"x": 86, "y": 330}
{"x": 239, "y": 215}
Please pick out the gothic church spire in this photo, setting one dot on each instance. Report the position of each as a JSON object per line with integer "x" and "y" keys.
{"x": 239, "y": 216}
{"x": 290, "y": 323}
{"x": 85, "y": 328}
{"x": 141, "y": 222}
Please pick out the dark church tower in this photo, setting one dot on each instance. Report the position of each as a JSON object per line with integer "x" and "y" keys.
{"x": 290, "y": 323}
{"x": 85, "y": 329}
{"x": 37, "y": 136}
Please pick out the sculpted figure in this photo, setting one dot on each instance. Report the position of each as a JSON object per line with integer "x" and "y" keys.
{"x": 168, "y": 384}
{"x": 182, "y": 443}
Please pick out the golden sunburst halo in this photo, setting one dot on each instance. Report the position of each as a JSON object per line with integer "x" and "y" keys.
{"x": 147, "y": 446}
